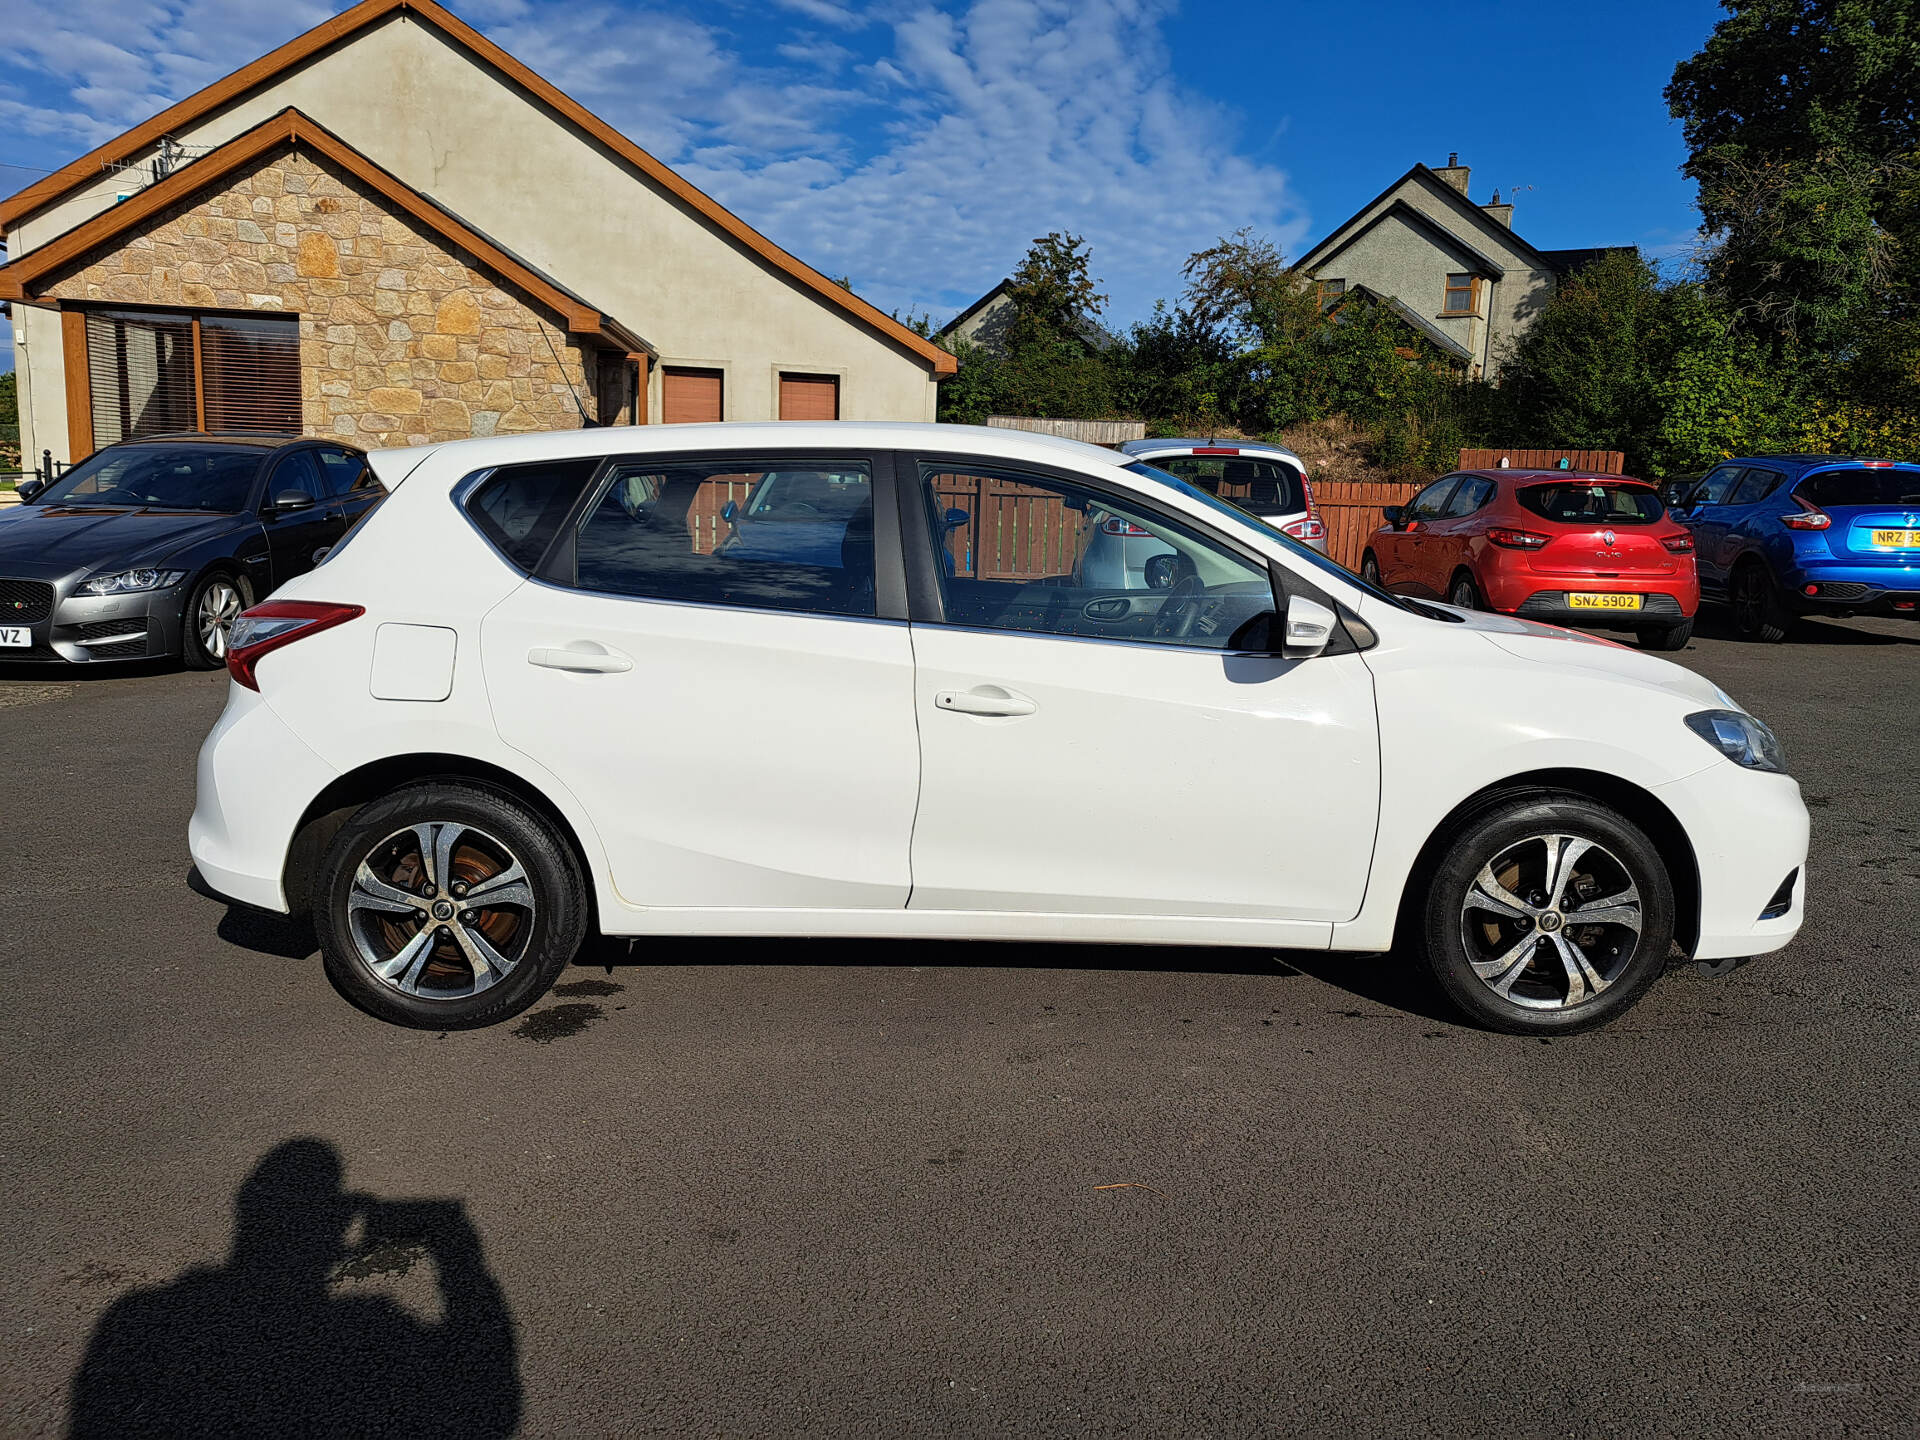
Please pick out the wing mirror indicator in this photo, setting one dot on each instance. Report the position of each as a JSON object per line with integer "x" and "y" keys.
{"x": 1307, "y": 629}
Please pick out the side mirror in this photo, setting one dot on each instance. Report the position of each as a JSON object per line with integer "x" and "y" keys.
{"x": 288, "y": 501}
{"x": 730, "y": 511}
{"x": 27, "y": 489}
{"x": 1391, "y": 514}
{"x": 956, "y": 518}
{"x": 1308, "y": 628}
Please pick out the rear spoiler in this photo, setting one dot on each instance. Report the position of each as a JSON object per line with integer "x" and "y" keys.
{"x": 391, "y": 467}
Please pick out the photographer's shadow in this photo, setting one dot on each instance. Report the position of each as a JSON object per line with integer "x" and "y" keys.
{"x": 286, "y": 1338}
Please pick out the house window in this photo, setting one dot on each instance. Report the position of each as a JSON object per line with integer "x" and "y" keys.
{"x": 809, "y": 397}
{"x": 690, "y": 396}
{"x": 1463, "y": 293}
{"x": 1330, "y": 292}
{"x": 151, "y": 372}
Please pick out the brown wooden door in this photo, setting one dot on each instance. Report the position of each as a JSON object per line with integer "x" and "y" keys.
{"x": 809, "y": 397}
{"x": 688, "y": 396}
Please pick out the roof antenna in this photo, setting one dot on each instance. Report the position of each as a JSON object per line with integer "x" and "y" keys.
{"x": 585, "y": 422}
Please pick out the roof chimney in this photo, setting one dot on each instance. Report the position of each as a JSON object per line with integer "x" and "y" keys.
{"x": 1454, "y": 173}
{"x": 1501, "y": 213}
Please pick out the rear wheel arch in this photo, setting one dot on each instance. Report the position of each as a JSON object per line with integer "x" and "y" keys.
{"x": 1634, "y": 802}
{"x": 335, "y": 805}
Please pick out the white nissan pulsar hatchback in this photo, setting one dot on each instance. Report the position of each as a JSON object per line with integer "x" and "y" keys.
{"x": 856, "y": 679}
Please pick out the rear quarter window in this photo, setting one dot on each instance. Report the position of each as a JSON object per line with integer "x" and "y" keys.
{"x": 519, "y": 507}
{"x": 1589, "y": 502}
{"x": 1858, "y": 485}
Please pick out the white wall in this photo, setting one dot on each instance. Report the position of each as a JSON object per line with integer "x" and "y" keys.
{"x": 421, "y": 107}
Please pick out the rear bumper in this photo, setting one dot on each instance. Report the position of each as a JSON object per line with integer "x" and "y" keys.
{"x": 256, "y": 779}
{"x": 1657, "y": 611}
{"x": 1749, "y": 833}
{"x": 1875, "y": 588}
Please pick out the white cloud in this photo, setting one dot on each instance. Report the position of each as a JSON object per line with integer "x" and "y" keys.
{"x": 915, "y": 148}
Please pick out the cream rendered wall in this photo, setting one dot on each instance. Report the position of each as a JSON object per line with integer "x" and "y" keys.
{"x": 1506, "y": 311}
{"x": 423, "y": 108}
{"x": 41, "y": 383}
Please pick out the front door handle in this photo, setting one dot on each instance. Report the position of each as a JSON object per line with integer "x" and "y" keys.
{"x": 582, "y": 657}
{"x": 984, "y": 700}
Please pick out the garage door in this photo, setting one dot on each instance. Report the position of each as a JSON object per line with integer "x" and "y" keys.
{"x": 809, "y": 397}
{"x": 690, "y": 395}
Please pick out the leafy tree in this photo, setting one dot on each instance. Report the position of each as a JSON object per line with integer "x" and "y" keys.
{"x": 1053, "y": 292}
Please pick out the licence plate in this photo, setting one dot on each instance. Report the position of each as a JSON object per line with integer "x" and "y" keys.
{"x": 1897, "y": 539}
{"x": 16, "y": 635}
{"x": 1586, "y": 601}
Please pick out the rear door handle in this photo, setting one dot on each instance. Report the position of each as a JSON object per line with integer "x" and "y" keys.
{"x": 582, "y": 657}
{"x": 984, "y": 700}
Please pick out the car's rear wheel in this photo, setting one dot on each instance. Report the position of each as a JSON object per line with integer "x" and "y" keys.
{"x": 448, "y": 905}
{"x": 1463, "y": 593}
{"x": 1758, "y": 611}
{"x": 1673, "y": 637}
{"x": 213, "y": 604}
{"x": 1548, "y": 915}
{"x": 1370, "y": 570}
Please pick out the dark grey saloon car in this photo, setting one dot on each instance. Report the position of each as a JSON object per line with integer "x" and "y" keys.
{"x": 151, "y": 547}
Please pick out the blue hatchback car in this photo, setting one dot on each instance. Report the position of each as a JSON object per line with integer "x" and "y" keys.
{"x": 1780, "y": 536}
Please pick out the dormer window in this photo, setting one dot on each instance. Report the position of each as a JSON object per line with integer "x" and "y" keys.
{"x": 1463, "y": 295}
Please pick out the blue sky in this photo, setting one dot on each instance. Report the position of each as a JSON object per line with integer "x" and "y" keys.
{"x": 917, "y": 146}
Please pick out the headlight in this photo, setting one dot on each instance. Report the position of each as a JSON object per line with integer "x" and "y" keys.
{"x": 126, "y": 581}
{"x": 1741, "y": 738}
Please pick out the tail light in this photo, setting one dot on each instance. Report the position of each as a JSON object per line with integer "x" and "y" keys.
{"x": 1811, "y": 516}
{"x": 1515, "y": 539}
{"x": 265, "y": 628}
{"x": 1126, "y": 528}
{"x": 1307, "y": 529}
{"x": 1678, "y": 544}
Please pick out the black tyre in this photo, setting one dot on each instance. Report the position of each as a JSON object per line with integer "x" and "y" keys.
{"x": 1370, "y": 570}
{"x": 1463, "y": 593}
{"x": 1758, "y": 611}
{"x": 448, "y": 905}
{"x": 1549, "y": 914}
{"x": 214, "y": 602}
{"x": 1674, "y": 637}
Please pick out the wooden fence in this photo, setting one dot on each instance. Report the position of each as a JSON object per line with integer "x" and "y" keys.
{"x": 1094, "y": 432}
{"x": 1351, "y": 509}
{"x": 1605, "y": 462}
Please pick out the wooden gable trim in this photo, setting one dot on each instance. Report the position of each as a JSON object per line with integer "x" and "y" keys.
{"x": 349, "y": 22}
{"x": 1338, "y": 239}
{"x": 20, "y": 279}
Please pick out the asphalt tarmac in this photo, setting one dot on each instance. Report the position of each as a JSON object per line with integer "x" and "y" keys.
{"x": 772, "y": 1188}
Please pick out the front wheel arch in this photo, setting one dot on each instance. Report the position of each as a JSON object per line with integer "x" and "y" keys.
{"x": 334, "y": 806}
{"x": 1639, "y": 805}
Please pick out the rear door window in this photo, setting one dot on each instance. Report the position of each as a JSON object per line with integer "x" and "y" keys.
{"x": 1588, "y": 502}
{"x": 519, "y": 508}
{"x": 793, "y": 536}
{"x": 1472, "y": 494}
{"x": 1754, "y": 486}
{"x": 1718, "y": 485}
{"x": 1857, "y": 485}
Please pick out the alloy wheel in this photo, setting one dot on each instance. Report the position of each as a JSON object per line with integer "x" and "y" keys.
{"x": 1551, "y": 921}
{"x": 440, "y": 911}
{"x": 1464, "y": 596}
{"x": 213, "y": 619}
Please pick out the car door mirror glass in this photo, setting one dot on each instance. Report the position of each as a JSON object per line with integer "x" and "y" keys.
{"x": 1309, "y": 628}
{"x": 288, "y": 501}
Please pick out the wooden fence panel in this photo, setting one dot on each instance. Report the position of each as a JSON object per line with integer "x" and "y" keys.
{"x": 1605, "y": 462}
{"x": 1350, "y": 509}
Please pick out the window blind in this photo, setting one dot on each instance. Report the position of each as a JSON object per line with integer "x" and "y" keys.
{"x": 140, "y": 368}
{"x": 250, "y": 372}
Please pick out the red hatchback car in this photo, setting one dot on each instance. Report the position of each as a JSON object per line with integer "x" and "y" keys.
{"x": 1565, "y": 546}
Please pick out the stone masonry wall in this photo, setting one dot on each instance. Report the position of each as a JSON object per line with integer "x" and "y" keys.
{"x": 402, "y": 340}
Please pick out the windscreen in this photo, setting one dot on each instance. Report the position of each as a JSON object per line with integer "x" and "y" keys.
{"x": 1857, "y": 485}
{"x": 171, "y": 477}
{"x": 1593, "y": 502}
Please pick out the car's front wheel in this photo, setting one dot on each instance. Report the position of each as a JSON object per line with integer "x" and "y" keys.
{"x": 1370, "y": 570}
{"x": 447, "y": 905}
{"x": 1548, "y": 915}
{"x": 1758, "y": 611}
{"x": 213, "y": 604}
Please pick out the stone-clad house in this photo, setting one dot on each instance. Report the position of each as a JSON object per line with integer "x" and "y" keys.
{"x": 391, "y": 232}
{"x": 1454, "y": 271}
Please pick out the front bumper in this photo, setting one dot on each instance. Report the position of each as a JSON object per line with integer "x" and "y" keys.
{"x": 1749, "y": 832}
{"x": 73, "y": 629}
{"x": 255, "y": 781}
